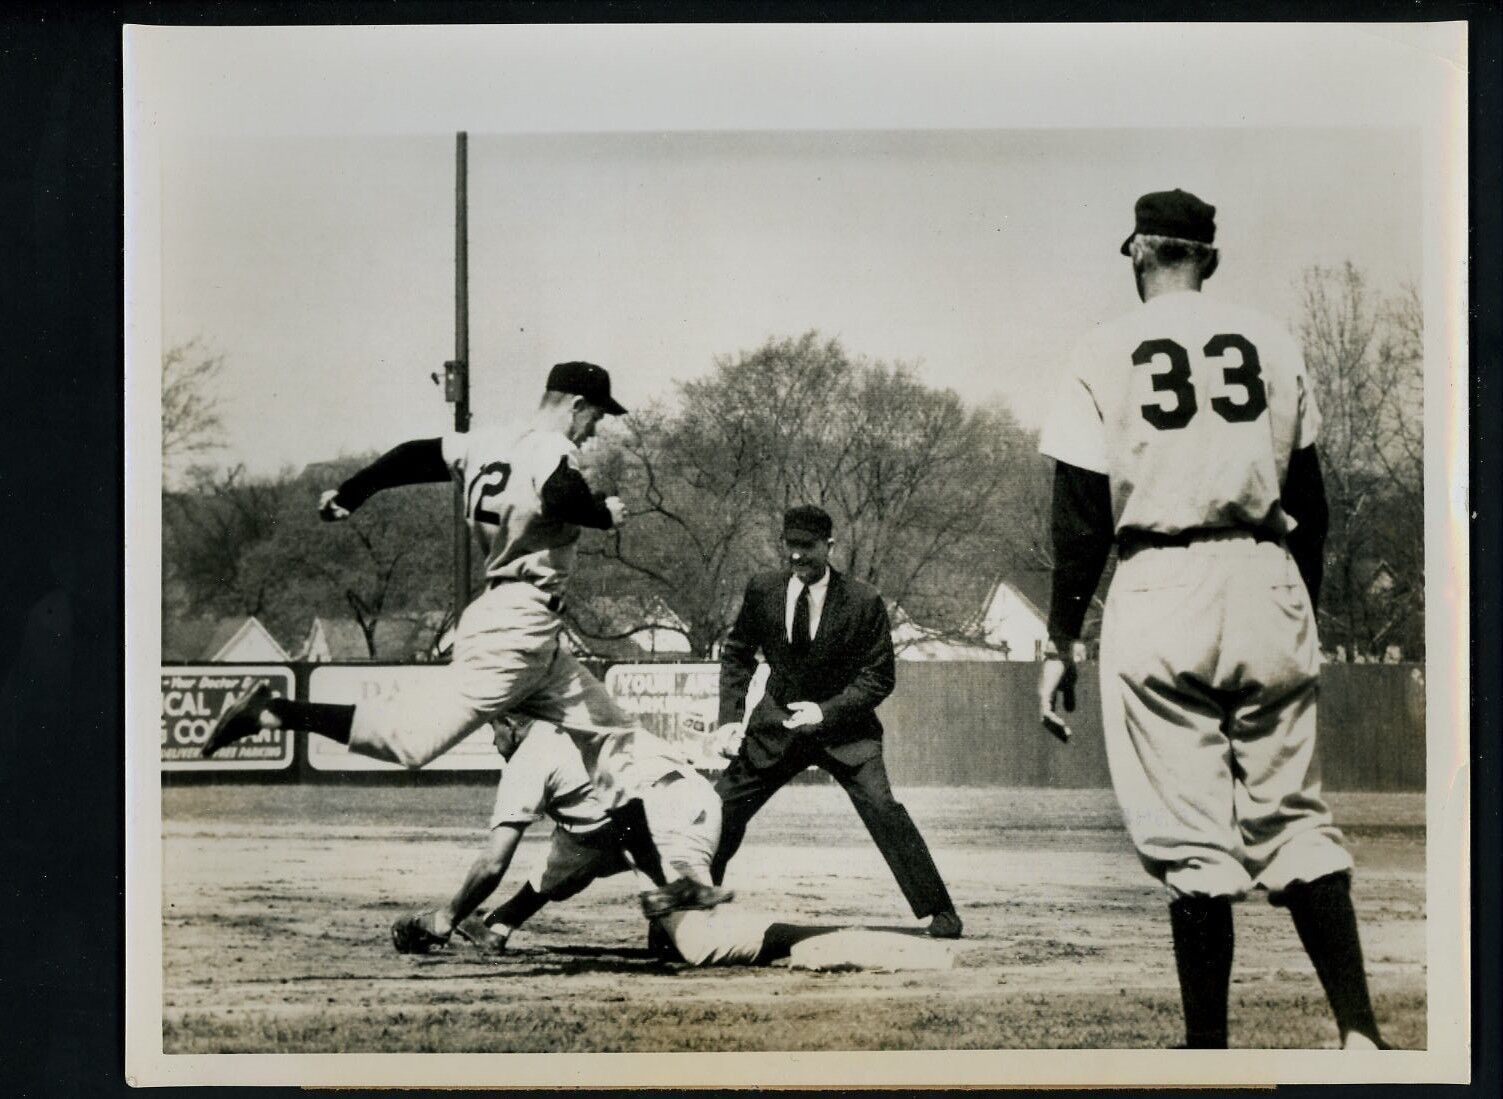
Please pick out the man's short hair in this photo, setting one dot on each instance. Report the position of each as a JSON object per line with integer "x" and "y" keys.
{"x": 1169, "y": 251}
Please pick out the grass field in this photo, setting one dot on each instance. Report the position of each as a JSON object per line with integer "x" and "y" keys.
{"x": 277, "y": 902}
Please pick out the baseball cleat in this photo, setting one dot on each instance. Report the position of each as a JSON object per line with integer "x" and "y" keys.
{"x": 410, "y": 934}
{"x": 241, "y": 720}
{"x": 682, "y": 894}
{"x": 945, "y": 925}
{"x": 476, "y": 932}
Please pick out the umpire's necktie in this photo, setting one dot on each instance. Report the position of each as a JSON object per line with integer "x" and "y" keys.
{"x": 799, "y": 642}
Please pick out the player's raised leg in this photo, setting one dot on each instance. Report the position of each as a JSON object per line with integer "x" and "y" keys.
{"x": 502, "y": 651}
{"x": 258, "y": 709}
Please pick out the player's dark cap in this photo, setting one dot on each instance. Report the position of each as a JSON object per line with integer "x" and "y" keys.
{"x": 807, "y": 523}
{"x": 588, "y": 381}
{"x": 1173, "y": 213}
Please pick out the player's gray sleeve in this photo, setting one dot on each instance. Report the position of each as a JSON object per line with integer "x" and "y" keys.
{"x": 1304, "y": 501}
{"x": 1081, "y": 533}
{"x": 418, "y": 462}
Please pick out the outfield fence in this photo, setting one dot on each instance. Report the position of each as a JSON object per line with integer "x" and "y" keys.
{"x": 948, "y": 724}
{"x": 955, "y": 724}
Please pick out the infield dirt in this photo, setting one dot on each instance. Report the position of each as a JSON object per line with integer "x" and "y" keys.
{"x": 277, "y": 902}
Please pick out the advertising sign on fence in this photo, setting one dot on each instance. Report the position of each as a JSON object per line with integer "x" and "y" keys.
{"x": 678, "y": 702}
{"x": 194, "y": 697}
{"x": 354, "y": 684}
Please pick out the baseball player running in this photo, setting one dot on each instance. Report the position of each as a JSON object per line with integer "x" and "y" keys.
{"x": 545, "y": 775}
{"x": 1186, "y": 435}
{"x": 526, "y": 501}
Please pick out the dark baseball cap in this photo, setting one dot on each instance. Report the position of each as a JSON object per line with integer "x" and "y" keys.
{"x": 806, "y": 522}
{"x": 1173, "y": 213}
{"x": 588, "y": 381}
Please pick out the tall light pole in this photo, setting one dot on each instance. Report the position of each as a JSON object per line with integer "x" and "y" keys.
{"x": 457, "y": 371}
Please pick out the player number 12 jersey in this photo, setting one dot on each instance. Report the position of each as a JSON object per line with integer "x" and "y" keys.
{"x": 503, "y": 471}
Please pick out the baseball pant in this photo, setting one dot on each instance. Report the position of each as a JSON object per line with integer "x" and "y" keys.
{"x": 575, "y": 859}
{"x": 744, "y": 789}
{"x": 683, "y": 815}
{"x": 1209, "y": 667}
{"x": 507, "y": 658}
{"x": 729, "y": 935}
{"x": 725, "y": 935}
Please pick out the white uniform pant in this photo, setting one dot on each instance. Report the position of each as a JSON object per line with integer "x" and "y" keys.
{"x": 1209, "y": 666}
{"x": 683, "y": 814}
{"x": 575, "y": 859}
{"x": 731, "y": 935}
{"x": 508, "y": 659}
{"x": 725, "y": 935}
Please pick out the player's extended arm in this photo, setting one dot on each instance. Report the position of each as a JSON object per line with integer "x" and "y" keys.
{"x": 1304, "y": 501}
{"x": 875, "y": 681}
{"x": 485, "y": 872}
{"x": 418, "y": 462}
{"x": 738, "y": 661}
{"x": 567, "y": 498}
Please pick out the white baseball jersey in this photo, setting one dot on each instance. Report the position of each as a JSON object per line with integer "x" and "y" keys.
{"x": 503, "y": 470}
{"x": 1193, "y": 408}
{"x": 546, "y": 776}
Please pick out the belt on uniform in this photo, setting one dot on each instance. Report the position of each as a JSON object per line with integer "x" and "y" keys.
{"x": 554, "y": 603}
{"x": 1130, "y": 542}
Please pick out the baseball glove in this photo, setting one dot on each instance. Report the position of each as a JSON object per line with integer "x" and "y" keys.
{"x": 411, "y": 934}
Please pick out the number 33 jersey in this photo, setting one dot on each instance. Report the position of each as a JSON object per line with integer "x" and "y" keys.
{"x": 503, "y": 471}
{"x": 1192, "y": 407}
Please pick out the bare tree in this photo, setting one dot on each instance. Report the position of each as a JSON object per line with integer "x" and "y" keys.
{"x": 208, "y": 527}
{"x": 925, "y": 492}
{"x": 1365, "y": 356}
{"x": 242, "y": 545}
{"x": 191, "y": 424}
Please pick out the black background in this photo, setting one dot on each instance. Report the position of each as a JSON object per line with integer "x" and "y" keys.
{"x": 61, "y": 464}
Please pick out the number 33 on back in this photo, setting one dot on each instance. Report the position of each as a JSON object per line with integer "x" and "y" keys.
{"x": 1176, "y": 381}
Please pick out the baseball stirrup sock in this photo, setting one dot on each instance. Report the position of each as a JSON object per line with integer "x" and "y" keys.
{"x": 1327, "y": 926}
{"x": 524, "y": 904}
{"x": 325, "y": 718}
{"x": 1203, "y": 942}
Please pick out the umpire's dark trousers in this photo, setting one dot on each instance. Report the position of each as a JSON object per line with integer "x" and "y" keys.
{"x": 743, "y": 790}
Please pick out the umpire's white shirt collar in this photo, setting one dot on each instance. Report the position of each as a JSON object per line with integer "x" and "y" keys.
{"x": 817, "y": 592}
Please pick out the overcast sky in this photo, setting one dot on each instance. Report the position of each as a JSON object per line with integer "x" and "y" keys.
{"x": 323, "y": 269}
{"x": 949, "y": 197}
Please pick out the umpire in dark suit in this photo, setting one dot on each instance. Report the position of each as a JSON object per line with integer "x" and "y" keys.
{"x": 828, "y": 644}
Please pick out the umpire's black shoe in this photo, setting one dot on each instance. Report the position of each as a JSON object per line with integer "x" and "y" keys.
{"x": 241, "y": 720}
{"x": 945, "y": 925}
{"x": 681, "y": 894}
